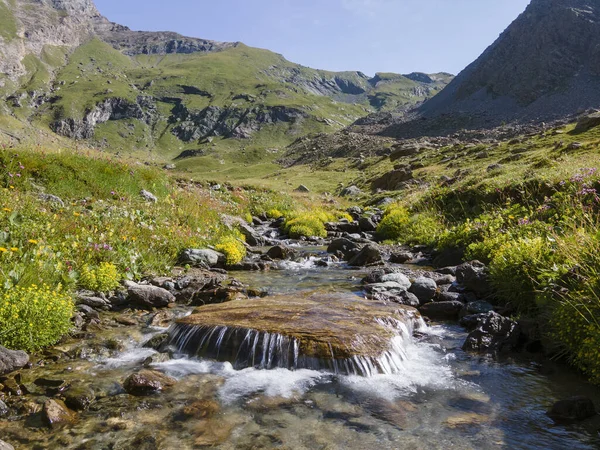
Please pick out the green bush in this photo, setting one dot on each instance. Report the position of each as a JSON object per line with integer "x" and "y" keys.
{"x": 233, "y": 249}
{"x": 306, "y": 225}
{"x": 399, "y": 226}
{"x": 34, "y": 317}
{"x": 515, "y": 269}
{"x": 103, "y": 278}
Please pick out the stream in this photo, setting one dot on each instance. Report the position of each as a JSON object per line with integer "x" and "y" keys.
{"x": 440, "y": 398}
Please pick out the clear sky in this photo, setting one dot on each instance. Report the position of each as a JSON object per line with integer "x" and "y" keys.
{"x": 368, "y": 35}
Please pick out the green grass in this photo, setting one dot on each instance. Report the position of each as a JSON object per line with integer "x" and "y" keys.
{"x": 8, "y": 24}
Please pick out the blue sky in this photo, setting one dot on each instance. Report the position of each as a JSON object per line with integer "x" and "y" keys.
{"x": 368, "y": 35}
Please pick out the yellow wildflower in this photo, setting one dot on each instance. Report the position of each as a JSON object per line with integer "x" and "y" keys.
{"x": 6, "y": 209}
{"x": 32, "y": 241}
{"x": 14, "y": 249}
{"x": 3, "y": 250}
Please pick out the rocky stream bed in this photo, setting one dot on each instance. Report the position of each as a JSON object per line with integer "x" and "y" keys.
{"x": 327, "y": 344}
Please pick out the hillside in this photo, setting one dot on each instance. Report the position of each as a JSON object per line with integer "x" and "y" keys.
{"x": 162, "y": 96}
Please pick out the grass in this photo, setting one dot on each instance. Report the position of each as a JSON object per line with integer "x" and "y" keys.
{"x": 8, "y": 24}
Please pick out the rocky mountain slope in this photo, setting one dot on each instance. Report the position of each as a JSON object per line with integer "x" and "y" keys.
{"x": 545, "y": 66}
{"x": 65, "y": 67}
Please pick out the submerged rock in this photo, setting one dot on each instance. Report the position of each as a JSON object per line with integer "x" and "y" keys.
{"x": 147, "y": 382}
{"x": 11, "y": 360}
{"x": 337, "y": 332}
{"x": 572, "y": 409}
{"x": 56, "y": 414}
{"x": 493, "y": 333}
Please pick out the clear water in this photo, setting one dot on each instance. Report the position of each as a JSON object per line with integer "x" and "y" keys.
{"x": 442, "y": 399}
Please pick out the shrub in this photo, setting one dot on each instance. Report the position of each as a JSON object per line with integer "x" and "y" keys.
{"x": 399, "y": 226}
{"x": 515, "y": 269}
{"x": 306, "y": 225}
{"x": 102, "y": 278}
{"x": 274, "y": 214}
{"x": 34, "y": 317}
{"x": 233, "y": 249}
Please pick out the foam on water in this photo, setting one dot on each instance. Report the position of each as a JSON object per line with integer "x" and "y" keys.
{"x": 129, "y": 358}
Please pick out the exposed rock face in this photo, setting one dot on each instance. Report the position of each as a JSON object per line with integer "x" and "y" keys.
{"x": 110, "y": 109}
{"x": 229, "y": 122}
{"x": 544, "y": 66}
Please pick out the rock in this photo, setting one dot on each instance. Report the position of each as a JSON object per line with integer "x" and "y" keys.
{"x": 449, "y": 296}
{"x": 280, "y": 252}
{"x": 587, "y": 122}
{"x": 355, "y": 211}
{"x": 393, "y": 180}
{"x": 477, "y": 307}
{"x": 442, "y": 310}
{"x": 342, "y": 245}
{"x": 572, "y": 409}
{"x": 302, "y": 188}
{"x": 369, "y": 254}
{"x": 493, "y": 167}
{"x": 3, "y": 410}
{"x": 396, "y": 277}
{"x": 169, "y": 167}
{"x": 157, "y": 341}
{"x": 11, "y": 360}
{"x": 366, "y": 225}
{"x": 424, "y": 288}
{"x": 403, "y": 150}
{"x": 325, "y": 326}
{"x": 91, "y": 300}
{"x": 401, "y": 257}
{"x": 148, "y": 196}
{"x": 88, "y": 311}
{"x": 493, "y": 334}
{"x": 473, "y": 276}
{"x": 384, "y": 286}
{"x": 351, "y": 191}
{"x": 449, "y": 258}
{"x": 79, "y": 397}
{"x": 162, "y": 319}
{"x": 252, "y": 237}
{"x": 202, "y": 258}
{"x": 49, "y": 198}
{"x": 148, "y": 296}
{"x": 147, "y": 382}
{"x": 5, "y": 445}
{"x": 56, "y": 414}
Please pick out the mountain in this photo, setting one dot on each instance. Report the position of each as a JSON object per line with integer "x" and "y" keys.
{"x": 66, "y": 68}
{"x": 545, "y": 66}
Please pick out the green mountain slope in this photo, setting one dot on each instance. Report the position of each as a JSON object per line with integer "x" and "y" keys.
{"x": 164, "y": 96}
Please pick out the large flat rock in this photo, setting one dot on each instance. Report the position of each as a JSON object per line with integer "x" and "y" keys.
{"x": 338, "y": 332}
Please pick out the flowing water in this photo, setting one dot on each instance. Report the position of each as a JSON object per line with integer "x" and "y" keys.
{"x": 435, "y": 397}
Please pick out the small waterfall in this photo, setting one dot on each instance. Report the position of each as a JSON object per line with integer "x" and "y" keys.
{"x": 248, "y": 347}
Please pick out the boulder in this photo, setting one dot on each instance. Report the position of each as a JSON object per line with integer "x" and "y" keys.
{"x": 252, "y": 237}
{"x": 493, "y": 334}
{"x": 202, "y": 258}
{"x": 11, "y": 360}
{"x": 148, "y": 196}
{"x": 392, "y": 180}
{"x": 396, "y": 277}
{"x": 401, "y": 257}
{"x": 587, "y": 122}
{"x": 147, "y": 382}
{"x": 424, "y": 288}
{"x": 302, "y": 188}
{"x": 148, "y": 296}
{"x": 442, "y": 310}
{"x": 341, "y": 245}
{"x": 477, "y": 307}
{"x": 355, "y": 212}
{"x": 474, "y": 277}
{"x": 280, "y": 252}
{"x": 572, "y": 409}
{"x": 3, "y": 409}
{"x": 369, "y": 254}
{"x": 56, "y": 414}
{"x": 351, "y": 191}
{"x": 5, "y": 445}
{"x": 367, "y": 225}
